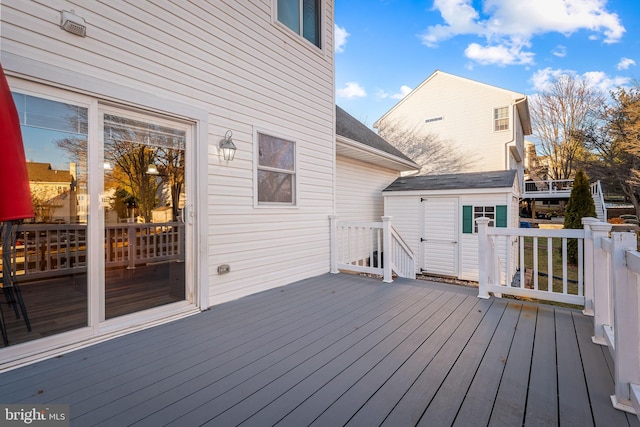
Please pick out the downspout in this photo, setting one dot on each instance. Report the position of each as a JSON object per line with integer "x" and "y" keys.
{"x": 513, "y": 139}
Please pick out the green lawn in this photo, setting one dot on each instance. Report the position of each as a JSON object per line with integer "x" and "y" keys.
{"x": 543, "y": 262}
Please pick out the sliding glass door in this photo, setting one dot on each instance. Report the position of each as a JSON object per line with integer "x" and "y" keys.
{"x": 144, "y": 200}
{"x": 109, "y": 244}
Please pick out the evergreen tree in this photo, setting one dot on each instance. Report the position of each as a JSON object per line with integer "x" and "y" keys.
{"x": 580, "y": 205}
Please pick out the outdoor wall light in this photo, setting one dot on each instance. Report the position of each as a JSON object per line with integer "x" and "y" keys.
{"x": 228, "y": 147}
{"x": 152, "y": 170}
{"x": 72, "y": 23}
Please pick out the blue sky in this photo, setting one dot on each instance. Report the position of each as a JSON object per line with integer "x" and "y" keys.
{"x": 385, "y": 48}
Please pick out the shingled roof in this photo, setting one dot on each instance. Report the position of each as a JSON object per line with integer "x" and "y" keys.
{"x": 42, "y": 172}
{"x": 455, "y": 181}
{"x": 349, "y": 127}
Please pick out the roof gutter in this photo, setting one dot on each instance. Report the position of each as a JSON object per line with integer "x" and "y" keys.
{"x": 403, "y": 165}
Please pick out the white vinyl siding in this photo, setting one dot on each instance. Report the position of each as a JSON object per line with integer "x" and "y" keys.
{"x": 359, "y": 188}
{"x": 229, "y": 60}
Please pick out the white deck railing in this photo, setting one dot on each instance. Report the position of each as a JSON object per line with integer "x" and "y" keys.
{"x": 370, "y": 247}
{"x": 50, "y": 250}
{"x": 549, "y": 187}
{"x": 499, "y": 276}
{"x": 607, "y": 285}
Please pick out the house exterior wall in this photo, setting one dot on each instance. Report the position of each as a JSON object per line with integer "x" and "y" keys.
{"x": 406, "y": 210}
{"x": 359, "y": 188}
{"x": 221, "y": 66}
{"x": 466, "y": 110}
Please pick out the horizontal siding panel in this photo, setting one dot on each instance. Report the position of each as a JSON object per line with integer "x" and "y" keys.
{"x": 359, "y": 188}
{"x": 231, "y": 60}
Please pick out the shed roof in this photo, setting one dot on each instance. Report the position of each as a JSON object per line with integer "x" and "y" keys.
{"x": 349, "y": 127}
{"x": 455, "y": 181}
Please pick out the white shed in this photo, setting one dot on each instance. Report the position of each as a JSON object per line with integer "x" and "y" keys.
{"x": 435, "y": 216}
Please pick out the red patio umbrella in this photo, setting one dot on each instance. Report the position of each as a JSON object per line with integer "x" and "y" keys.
{"x": 15, "y": 196}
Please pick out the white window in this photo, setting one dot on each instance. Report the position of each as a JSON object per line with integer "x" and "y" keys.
{"x": 276, "y": 170}
{"x": 302, "y": 17}
{"x": 501, "y": 118}
{"x": 484, "y": 211}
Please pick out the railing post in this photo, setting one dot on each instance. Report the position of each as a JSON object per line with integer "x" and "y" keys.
{"x": 625, "y": 302}
{"x": 333, "y": 224}
{"x": 131, "y": 246}
{"x": 601, "y": 303}
{"x": 386, "y": 251}
{"x": 588, "y": 265}
{"x": 483, "y": 255}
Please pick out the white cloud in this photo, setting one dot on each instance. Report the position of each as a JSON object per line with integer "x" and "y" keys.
{"x": 381, "y": 94}
{"x": 341, "y": 36}
{"x": 500, "y": 55}
{"x": 404, "y": 91}
{"x": 351, "y": 90}
{"x": 542, "y": 79}
{"x": 625, "y": 63}
{"x": 508, "y": 26}
{"x": 560, "y": 51}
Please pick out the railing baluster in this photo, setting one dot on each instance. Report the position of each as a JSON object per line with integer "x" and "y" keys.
{"x": 534, "y": 273}
{"x": 550, "y": 264}
{"x": 564, "y": 265}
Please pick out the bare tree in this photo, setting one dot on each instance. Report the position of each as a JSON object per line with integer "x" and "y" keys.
{"x": 434, "y": 155}
{"x": 614, "y": 144}
{"x": 560, "y": 113}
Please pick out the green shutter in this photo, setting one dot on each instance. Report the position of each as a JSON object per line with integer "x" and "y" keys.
{"x": 501, "y": 216}
{"x": 467, "y": 219}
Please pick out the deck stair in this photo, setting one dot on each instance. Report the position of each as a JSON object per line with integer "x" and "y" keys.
{"x": 559, "y": 189}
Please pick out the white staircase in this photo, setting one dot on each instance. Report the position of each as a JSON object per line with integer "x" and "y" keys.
{"x": 598, "y": 200}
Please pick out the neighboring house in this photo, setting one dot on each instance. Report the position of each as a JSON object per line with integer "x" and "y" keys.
{"x": 150, "y": 95}
{"x": 53, "y": 192}
{"x": 436, "y": 214}
{"x": 485, "y": 122}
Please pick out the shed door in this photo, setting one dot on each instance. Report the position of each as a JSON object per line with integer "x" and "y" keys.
{"x": 439, "y": 240}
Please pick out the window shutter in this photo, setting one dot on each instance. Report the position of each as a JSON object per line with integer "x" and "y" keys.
{"x": 501, "y": 216}
{"x": 467, "y": 219}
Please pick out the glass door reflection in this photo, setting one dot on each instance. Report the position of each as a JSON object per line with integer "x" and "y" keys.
{"x": 144, "y": 195}
{"x": 50, "y": 254}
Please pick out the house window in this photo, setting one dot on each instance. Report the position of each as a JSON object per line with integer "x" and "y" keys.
{"x": 302, "y": 17}
{"x": 276, "y": 174}
{"x": 497, "y": 217}
{"x": 501, "y": 118}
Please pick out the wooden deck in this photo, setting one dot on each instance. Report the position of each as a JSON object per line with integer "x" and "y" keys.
{"x": 340, "y": 350}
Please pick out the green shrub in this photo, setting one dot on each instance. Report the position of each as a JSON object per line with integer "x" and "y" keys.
{"x": 580, "y": 205}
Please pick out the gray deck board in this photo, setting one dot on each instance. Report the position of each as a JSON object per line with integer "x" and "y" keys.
{"x": 340, "y": 350}
{"x": 573, "y": 400}
{"x": 478, "y": 402}
{"x": 509, "y": 406}
{"x": 542, "y": 400}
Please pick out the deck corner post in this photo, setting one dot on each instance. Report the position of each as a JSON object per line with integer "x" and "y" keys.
{"x": 333, "y": 224}
{"x": 483, "y": 255}
{"x": 588, "y": 265}
{"x": 601, "y": 282}
{"x": 386, "y": 249}
{"x": 625, "y": 322}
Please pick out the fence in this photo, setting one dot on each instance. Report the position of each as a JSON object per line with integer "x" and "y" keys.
{"x": 50, "y": 250}
{"x": 370, "y": 247}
